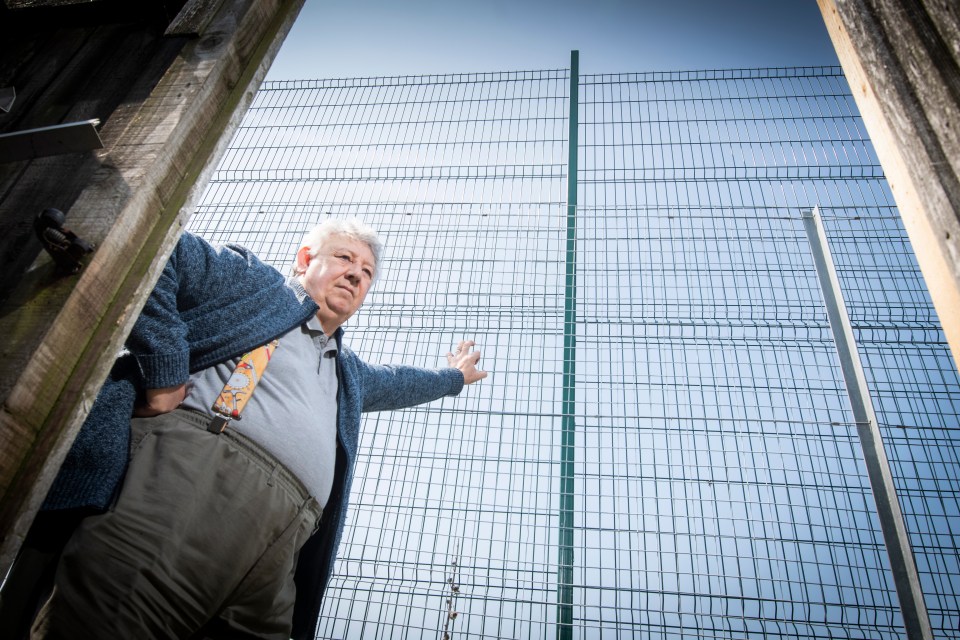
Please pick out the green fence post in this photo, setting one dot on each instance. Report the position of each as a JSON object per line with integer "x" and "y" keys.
{"x": 565, "y": 560}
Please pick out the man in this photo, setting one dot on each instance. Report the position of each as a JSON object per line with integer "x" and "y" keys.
{"x": 226, "y": 526}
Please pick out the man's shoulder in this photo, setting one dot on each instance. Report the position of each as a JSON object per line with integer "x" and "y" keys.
{"x": 227, "y": 257}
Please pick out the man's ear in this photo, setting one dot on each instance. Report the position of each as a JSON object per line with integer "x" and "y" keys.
{"x": 303, "y": 259}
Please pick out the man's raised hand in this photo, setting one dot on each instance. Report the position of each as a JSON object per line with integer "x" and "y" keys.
{"x": 466, "y": 361}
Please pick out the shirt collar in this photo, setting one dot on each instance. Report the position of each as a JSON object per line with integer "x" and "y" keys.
{"x": 294, "y": 283}
{"x": 313, "y": 323}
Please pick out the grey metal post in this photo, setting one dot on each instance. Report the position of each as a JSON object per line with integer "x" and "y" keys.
{"x": 902, "y": 563}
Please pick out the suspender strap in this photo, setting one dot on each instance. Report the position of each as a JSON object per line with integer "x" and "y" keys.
{"x": 239, "y": 388}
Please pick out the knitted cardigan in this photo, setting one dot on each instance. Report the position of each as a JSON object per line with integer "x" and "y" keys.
{"x": 211, "y": 305}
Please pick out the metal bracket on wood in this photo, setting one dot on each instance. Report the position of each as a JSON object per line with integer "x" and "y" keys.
{"x": 7, "y": 96}
{"x": 71, "y": 137}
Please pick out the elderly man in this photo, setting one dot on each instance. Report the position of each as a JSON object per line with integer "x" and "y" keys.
{"x": 228, "y": 516}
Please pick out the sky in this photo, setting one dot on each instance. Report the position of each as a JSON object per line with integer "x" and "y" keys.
{"x": 359, "y": 38}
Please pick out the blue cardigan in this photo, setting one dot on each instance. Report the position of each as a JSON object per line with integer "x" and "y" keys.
{"x": 210, "y": 305}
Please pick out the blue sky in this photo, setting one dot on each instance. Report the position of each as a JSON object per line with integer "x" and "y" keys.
{"x": 341, "y": 38}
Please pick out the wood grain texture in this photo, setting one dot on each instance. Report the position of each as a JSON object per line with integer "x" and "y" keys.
{"x": 193, "y": 18}
{"x": 161, "y": 143}
{"x": 26, "y": 4}
{"x": 900, "y": 57}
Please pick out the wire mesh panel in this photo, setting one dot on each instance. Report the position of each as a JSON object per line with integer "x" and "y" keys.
{"x": 719, "y": 488}
{"x": 453, "y": 523}
{"x": 721, "y": 475}
{"x": 914, "y": 387}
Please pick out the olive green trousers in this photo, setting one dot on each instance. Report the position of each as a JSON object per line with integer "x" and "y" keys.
{"x": 202, "y": 543}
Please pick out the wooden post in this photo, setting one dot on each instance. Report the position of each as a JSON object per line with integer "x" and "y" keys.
{"x": 902, "y": 59}
{"x": 62, "y": 333}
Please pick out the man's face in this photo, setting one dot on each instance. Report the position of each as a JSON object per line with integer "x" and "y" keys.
{"x": 337, "y": 278}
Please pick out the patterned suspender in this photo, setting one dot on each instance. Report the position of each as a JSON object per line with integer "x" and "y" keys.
{"x": 239, "y": 388}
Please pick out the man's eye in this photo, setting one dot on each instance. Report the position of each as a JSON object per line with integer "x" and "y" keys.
{"x": 368, "y": 273}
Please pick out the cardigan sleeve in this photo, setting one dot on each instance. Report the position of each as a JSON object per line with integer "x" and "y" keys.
{"x": 210, "y": 303}
{"x": 388, "y": 387}
{"x": 158, "y": 339}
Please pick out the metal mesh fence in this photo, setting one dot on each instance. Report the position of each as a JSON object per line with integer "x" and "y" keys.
{"x": 718, "y": 487}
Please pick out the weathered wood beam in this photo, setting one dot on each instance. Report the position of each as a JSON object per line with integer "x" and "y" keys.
{"x": 902, "y": 59}
{"x": 159, "y": 150}
{"x": 27, "y": 4}
{"x": 193, "y": 18}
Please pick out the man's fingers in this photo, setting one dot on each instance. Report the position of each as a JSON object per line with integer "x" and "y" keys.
{"x": 466, "y": 360}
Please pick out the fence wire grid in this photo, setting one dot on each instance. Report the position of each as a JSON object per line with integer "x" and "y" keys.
{"x": 718, "y": 483}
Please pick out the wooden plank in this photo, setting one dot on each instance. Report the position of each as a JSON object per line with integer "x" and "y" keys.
{"x": 36, "y": 67}
{"x": 29, "y": 4}
{"x": 193, "y": 18}
{"x": 946, "y": 20}
{"x": 159, "y": 152}
{"x": 900, "y": 58}
{"x": 95, "y": 72}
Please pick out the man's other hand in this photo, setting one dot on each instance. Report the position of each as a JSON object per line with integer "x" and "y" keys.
{"x": 466, "y": 360}
{"x": 161, "y": 401}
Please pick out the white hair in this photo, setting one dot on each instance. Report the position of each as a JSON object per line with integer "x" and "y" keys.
{"x": 349, "y": 227}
